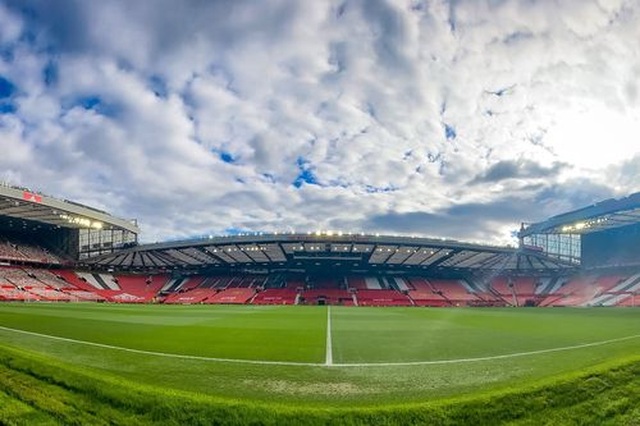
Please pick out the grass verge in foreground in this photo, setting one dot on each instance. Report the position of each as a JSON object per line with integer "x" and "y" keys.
{"x": 38, "y": 390}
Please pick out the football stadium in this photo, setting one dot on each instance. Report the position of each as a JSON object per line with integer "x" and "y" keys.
{"x": 316, "y": 328}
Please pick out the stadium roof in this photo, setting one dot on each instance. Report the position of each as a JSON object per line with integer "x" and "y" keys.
{"x": 327, "y": 250}
{"x": 25, "y": 205}
{"x": 607, "y": 214}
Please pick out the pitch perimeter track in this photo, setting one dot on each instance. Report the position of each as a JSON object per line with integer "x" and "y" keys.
{"x": 325, "y": 364}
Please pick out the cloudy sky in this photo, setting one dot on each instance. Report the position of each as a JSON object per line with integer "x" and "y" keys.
{"x": 456, "y": 118}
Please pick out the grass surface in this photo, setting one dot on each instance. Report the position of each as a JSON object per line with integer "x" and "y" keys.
{"x": 503, "y": 338}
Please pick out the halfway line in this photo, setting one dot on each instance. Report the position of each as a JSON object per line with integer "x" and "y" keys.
{"x": 329, "y": 357}
{"x": 328, "y": 349}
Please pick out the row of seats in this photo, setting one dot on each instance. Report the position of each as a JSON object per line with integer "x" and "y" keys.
{"x": 382, "y": 298}
{"x": 276, "y": 296}
{"x": 328, "y": 296}
{"x": 610, "y": 290}
{"x": 65, "y": 285}
{"x": 18, "y": 285}
{"x": 25, "y": 252}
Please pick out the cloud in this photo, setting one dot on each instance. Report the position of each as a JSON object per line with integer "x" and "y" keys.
{"x": 518, "y": 169}
{"x": 434, "y": 117}
{"x": 494, "y": 219}
{"x": 625, "y": 174}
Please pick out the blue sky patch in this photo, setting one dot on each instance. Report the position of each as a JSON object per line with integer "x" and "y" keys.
{"x": 159, "y": 86}
{"x": 236, "y": 231}
{"x": 306, "y": 175}
{"x": 450, "y": 132}
{"x": 97, "y": 104}
{"x": 227, "y": 157}
{"x": 50, "y": 74}
{"x": 7, "y": 108}
{"x": 7, "y": 88}
{"x": 90, "y": 102}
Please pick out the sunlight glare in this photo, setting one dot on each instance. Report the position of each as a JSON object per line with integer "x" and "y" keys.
{"x": 595, "y": 138}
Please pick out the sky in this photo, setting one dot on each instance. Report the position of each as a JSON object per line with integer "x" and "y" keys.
{"x": 450, "y": 119}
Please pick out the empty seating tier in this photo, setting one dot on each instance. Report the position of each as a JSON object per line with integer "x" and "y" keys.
{"x": 382, "y": 298}
{"x": 275, "y": 296}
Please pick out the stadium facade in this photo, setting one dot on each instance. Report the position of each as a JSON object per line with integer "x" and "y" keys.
{"x": 605, "y": 234}
{"x": 70, "y": 229}
{"x": 54, "y": 249}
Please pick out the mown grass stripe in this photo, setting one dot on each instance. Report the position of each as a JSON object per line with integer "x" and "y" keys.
{"x": 489, "y": 358}
{"x": 326, "y": 364}
{"x": 163, "y": 354}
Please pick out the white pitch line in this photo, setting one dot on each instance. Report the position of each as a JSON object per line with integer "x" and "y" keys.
{"x": 328, "y": 348}
{"x": 328, "y": 362}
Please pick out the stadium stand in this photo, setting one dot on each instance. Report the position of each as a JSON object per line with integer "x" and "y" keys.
{"x": 456, "y": 292}
{"x": 107, "y": 287}
{"x": 631, "y": 300}
{"x": 574, "y": 292}
{"x": 516, "y": 291}
{"x": 621, "y": 290}
{"x": 422, "y": 293}
{"x": 30, "y": 273}
{"x": 525, "y": 291}
{"x": 22, "y": 283}
{"x": 47, "y": 277}
{"x": 327, "y": 296}
{"x": 20, "y": 251}
{"x": 182, "y": 284}
{"x": 30, "y": 284}
{"x": 98, "y": 258}
{"x": 9, "y": 292}
{"x": 145, "y": 288}
{"x": 502, "y": 286}
{"x": 236, "y": 296}
{"x": 279, "y": 290}
{"x": 72, "y": 279}
{"x": 275, "y": 296}
{"x": 369, "y": 297}
{"x": 357, "y": 283}
{"x": 194, "y": 295}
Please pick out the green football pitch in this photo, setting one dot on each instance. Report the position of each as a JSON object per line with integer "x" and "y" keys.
{"x": 322, "y": 357}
